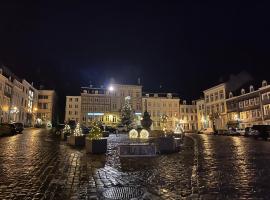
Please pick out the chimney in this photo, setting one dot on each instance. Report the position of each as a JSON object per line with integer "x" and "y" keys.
{"x": 139, "y": 81}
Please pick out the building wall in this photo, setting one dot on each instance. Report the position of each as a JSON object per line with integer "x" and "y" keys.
{"x": 188, "y": 116}
{"x": 157, "y": 106}
{"x": 215, "y": 104}
{"x": 201, "y": 115}
{"x": 18, "y": 98}
{"x": 250, "y": 107}
{"x": 73, "y": 108}
{"x": 105, "y": 104}
{"x": 47, "y": 107}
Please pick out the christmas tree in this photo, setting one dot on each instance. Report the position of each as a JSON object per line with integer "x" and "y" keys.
{"x": 95, "y": 132}
{"x": 67, "y": 129}
{"x": 127, "y": 114}
{"x": 78, "y": 130}
{"x": 146, "y": 121}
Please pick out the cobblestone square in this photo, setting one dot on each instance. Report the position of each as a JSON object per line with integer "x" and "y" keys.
{"x": 36, "y": 165}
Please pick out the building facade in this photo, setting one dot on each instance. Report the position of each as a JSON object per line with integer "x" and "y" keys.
{"x": 201, "y": 114}
{"x": 73, "y": 108}
{"x": 250, "y": 107}
{"x": 47, "y": 108}
{"x": 160, "y": 104}
{"x": 18, "y": 99}
{"x": 104, "y": 104}
{"x": 215, "y": 107}
{"x": 188, "y": 116}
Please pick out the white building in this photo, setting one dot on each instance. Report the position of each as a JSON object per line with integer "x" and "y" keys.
{"x": 161, "y": 104}
{"x": 188, "y": 116}
{"x": 46, "y": 111}
{"x": 73, "y": 108}
{"x": 18, "y": 98}
{"x": 103, "y": 104}
{"x": 215, "y": 106}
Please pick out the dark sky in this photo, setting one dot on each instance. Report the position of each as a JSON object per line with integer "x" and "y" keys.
{"x": 185, "y": 46}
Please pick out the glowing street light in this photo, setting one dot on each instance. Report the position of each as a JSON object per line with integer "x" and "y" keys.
{"x": 111, "y": 88}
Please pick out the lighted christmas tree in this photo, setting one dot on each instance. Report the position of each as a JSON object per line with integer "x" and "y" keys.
{"x": 95, "y": 132}
{"x": 78, "y": 130}
{"x": 67, "y": 129}
{"x": 127, "y": 114}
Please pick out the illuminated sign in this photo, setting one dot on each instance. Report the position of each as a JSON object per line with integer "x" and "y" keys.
{"x": 95, "y": 114}
{"x": 138, "y": 113}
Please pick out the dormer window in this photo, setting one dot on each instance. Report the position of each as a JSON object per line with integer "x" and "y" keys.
{"x": 243, "y": 91}
{"x": 230, "y": 95}
{"x": 185, "y": 102}
{"x": 264, "y": 83}
{"x": 251, "y": 88}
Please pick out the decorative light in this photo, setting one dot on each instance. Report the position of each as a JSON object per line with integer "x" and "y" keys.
{"x": 144, "y": 134}
{"x": 78, "y": 130}
{"x": 111, "y": 88}
{"x": 133, "y": 134}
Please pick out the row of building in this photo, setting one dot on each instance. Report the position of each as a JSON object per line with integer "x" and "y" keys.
{"x": 240, "y": 109}
{"x": 21, "y": 102}
{"x": 104, "y": 104}
{"x": 219, "y": 107}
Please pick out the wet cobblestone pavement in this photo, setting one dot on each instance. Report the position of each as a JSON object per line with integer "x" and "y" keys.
{"x": 36, "y": 165}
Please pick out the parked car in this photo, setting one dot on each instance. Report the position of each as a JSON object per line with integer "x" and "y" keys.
{"x": 18, "y": 127}
{"x": 110, "y": 129}
{"x": 85, "y": 130}
{"x": 121, "y": 128}
{"x": 261, "y": 131}
{"x": 7, "y": 129}
{"x": 242, "y": 132}
{"x": 232, "y": 132}
{"x": 59, "y": 128}
{"x": 248, "y": 132}
{"x": 206, "y": 131}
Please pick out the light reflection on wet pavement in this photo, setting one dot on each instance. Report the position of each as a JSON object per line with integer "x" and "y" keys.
{"x": 36, "y": 165}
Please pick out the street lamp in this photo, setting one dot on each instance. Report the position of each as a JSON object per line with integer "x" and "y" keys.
{"x": 111, "y": 88}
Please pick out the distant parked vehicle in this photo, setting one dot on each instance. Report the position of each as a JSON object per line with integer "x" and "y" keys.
{"x": 248, "y": 132}
{"x": 7, "y": 129}
{"x": 260, "y": 131}
{"x": 121, "y": 128}
{"x": 206, "y": 131}
{"x": 85, "y": 130}
{"x": 233, "y": 132}
{"x": 110, "y": 129}
{"x": 18, "y": 127}
{"x": 242, "y": 132}
{"x": 59, "y": 128}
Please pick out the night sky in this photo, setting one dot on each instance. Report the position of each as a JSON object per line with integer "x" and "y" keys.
{"x": 186, "y": 46}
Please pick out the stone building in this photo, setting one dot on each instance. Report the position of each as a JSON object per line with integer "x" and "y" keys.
{"x": 104, "y": 104}
{"x": 162, "y": 104}
{"x": 47, "y": 108}
{"x": 18, "y": 98}
{"x": 188, "y": 116}
{"x": 215, "y": 106}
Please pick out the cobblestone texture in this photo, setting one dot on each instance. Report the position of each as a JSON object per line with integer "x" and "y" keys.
{"x": 233, "y": 167}
{"x": 35, "y": 165}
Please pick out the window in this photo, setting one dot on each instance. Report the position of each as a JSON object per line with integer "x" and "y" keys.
{"x": 246, "y": 104}
{"x": 211, "y": 97}
{"x": 70, "y": 106}
{"x": 70, "y": 112}
{"x": 222, "y": 107}
{"x": 207, "y": 98}
{"x": 216, "y": 96}
{"x": 257, "y": 101}
{"x": 251, "y": 102}
{"x": 241, "y": 104}
{"x": 76, "y": 99}
{"x": 70, "y": 99}
{"x": 221, "y": 94}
